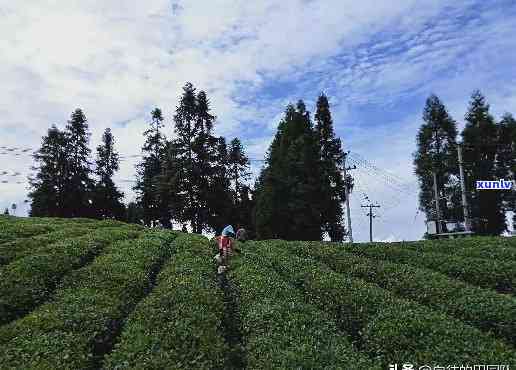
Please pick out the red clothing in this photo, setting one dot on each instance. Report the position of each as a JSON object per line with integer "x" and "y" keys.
{"x": 225, "y": 243}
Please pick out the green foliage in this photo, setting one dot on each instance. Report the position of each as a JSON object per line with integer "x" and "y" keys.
{"x": 55, "y": 231}
{"x": 31, "y": 280}
{"x": 78, "y": 184}
{"x": 127, "y": 297}
{"x": 177, "y": 325}
{"x": 107, "y": 200}
{"x": 483, "y": 308}
{"x": 48, "y": 186}
{"x": 62, "y": 185}
{"x": 78, "y": 325}
{"x": 506, "y": 158}
{"x": 503, "y": 249}
{"x": 485, "y": 273}
{"x": 10, "y": 231}
{"x": 21, "y": 247}
{"x": 288, "y": 202}
{"x": 148, "y": 170}
{"x": 480, "y": 138}
{"x": 392, "y": 329}
{"x": 281, "y": 331}
{"x": 332, "y": 161}
{"x": 437, "y": 153}
{"x": 195, "y": 181}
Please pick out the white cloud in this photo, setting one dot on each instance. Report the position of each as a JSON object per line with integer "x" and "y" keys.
{"x": 118, "y": 60}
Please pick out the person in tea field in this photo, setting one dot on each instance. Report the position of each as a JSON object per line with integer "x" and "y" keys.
{"x": 241, "y": 234}
{"x": 225, "y": 241}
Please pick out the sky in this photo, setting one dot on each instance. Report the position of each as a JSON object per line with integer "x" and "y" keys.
{"x": 376, "y": 61}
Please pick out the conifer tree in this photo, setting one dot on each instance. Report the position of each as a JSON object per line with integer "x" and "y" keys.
{"x": 506, "y": 159}
{"x": 148, "y": 172}
{"x": 107, "y": 198}
{"x": 193, "y": 173}
{"x": 186, "y": 126}
{"x": 172, "y": 187}
{"x": 206, "y": 148}
{"x": 238, "y": 164}
{"x": 331, "y": 154}
{"x": 238, "y": 172}
{"x": 77, "y": 181}
{"x": 436, "y": 152}
{"x": 480, "y": 137}
{"x": 48, "y": 183}
{"x": 288, "y": 189}
{"x": 219, "y": 199}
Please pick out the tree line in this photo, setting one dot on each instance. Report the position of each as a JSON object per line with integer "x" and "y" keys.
{"x": 489, "y": 153}
{"x": 198, "y": 180}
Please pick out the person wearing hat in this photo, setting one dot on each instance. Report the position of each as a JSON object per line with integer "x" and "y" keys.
{"x": 225, "y": 245}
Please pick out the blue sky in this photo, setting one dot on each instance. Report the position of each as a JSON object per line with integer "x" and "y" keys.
{"x": 377, "y": 61}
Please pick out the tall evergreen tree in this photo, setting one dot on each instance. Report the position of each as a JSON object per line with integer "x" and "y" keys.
{"x": 206, "y": 150}
{"x": 332, "y": 159}
{"x": 148, "y": 172}
{"x": 288, "y": 204}
{"x": 238, "y": 164}
{"x": 436, "y": 152}
{"x": 193, "y": 173}
{"x": 172, "y": 187}
{"x": 185, "y": 121}
{"x": 78, "y": 181}
{"x": 48, "y": 184}
{"x": 506, "y": 159}
{"x": 480, "y": 137}
{"x": 220, "y": 201}
{"x": 107, "y": 198}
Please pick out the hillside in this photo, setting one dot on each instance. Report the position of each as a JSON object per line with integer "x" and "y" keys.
{"x": 90, "y": 294}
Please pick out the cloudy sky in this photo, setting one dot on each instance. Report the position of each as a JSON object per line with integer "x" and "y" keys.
{"x": 377, "y": 61}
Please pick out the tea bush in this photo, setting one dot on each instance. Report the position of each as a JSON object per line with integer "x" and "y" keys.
{"x": 78, "y": 326}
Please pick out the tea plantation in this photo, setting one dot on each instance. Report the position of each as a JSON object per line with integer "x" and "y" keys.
{"x": 85, "y": 294}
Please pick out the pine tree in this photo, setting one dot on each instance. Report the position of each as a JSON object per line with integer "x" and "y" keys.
{"x": 77, "y": 181}
{"x": 238, "y": 168}
{"x": 148, "y": 172}
{"x": 506, "y": 159}
{"x": 107, "y": 198}
{"x": 186, "y": 130}
{"x": 480, "y": 137}
{"x": 220, "y": 201}
{"x": 48, "y": 184}
{"x": 194, "y": 163}
{"x": 288, "y": 204}
{"x": 436, "y": 141}
{"x": 331, "y": 154}
{"x": 171, "y": 183}
{"x": 238, "y": 164}
{"x": 206, "y": 149}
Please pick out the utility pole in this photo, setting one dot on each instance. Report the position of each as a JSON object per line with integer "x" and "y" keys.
{"x": 346, "y": 192}
{"x": 467, "y": 220}
{"x": 371, "y": 215}
{"x": 437, "y": 208}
